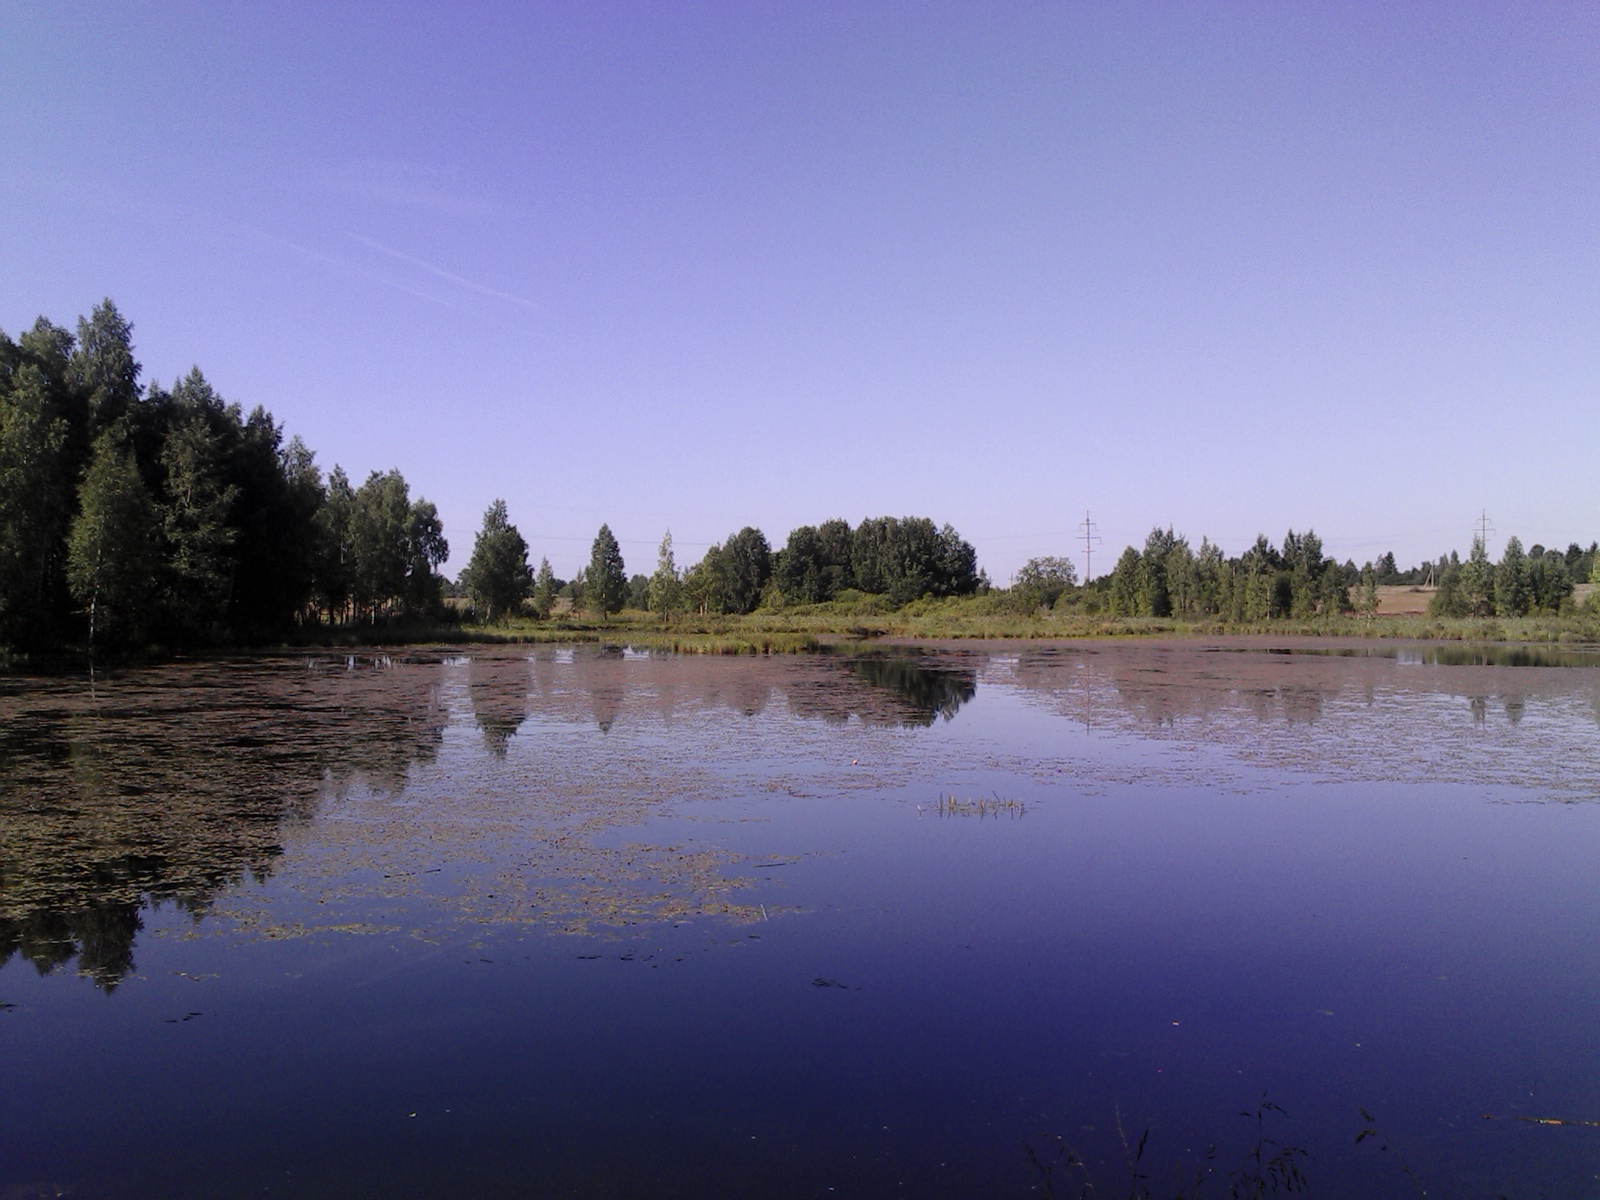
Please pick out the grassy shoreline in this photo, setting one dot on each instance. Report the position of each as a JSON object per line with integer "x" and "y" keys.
{"x": 815, "y": 628}
{"x": 801, "y": 630}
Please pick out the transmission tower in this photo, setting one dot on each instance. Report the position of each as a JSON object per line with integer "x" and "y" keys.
{"x": 1091, "y": 539}
{"x": 1482, "y": 528}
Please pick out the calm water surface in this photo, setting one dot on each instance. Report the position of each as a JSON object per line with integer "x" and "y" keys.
{"x": 597, "y": 923}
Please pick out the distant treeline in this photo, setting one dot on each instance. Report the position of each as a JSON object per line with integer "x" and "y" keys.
{"x": 1170, "y": 578}
{"x": 134, "y": 515}
{"x": 898, "y": 558}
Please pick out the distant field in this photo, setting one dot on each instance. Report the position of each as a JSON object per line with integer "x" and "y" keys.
{"x": 1404, "y": 600}
{"x": 1408, "y": 601}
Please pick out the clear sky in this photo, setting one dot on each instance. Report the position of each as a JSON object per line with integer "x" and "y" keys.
{"x": 1234, "y": 268}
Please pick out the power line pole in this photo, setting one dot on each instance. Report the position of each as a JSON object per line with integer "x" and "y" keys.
{"x": 1482, "y": 529}
{"x": 1090, "y": 540}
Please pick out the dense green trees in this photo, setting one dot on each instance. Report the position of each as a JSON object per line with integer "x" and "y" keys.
{"x": 497, "y": 577}
{"x": 731, "y": 576}
{"x": 1169, "y": 579}
{"x": 130, "y": 513}
{"x": 901, "y": 558}
{"x": 1042, "y": 581}
{"x": 606, "y": 582}
{"x": 1535, "y": 581}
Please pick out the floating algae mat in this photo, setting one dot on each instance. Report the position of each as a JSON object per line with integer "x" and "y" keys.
{"x": 587, "y": 921}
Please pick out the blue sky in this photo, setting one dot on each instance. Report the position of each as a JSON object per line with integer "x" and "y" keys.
{"x": 1229, "y": 267}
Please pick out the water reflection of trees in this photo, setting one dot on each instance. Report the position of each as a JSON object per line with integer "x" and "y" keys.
{"x": 1391, "y": 713}
{"x": 498, "y": 692}
{"x": 167, "y": 786}
{"x": 924, "y": 693}
{"x": 602, "y": 686}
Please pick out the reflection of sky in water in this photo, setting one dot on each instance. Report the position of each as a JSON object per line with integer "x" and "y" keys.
{"x": 622, "y": 923}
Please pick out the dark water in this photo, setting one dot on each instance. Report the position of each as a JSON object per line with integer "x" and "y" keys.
{"x": 588, "y": 923}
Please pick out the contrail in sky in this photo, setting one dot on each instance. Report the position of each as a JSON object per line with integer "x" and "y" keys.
{"x": 443, "y": 274}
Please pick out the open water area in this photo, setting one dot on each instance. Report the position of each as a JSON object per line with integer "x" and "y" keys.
{"x": 916, "y": 922}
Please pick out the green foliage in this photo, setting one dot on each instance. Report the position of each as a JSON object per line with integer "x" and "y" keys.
{"x": 606, "y": 584}
{"x": 1155, "y": 599}
{"x": 545, "y": 586}
{"x": 665, "y": 591}
{"x": 1549, "y": 583}
{"x": 335, "y": 553}
{"x": 638, "y": 592}
{"x": 111, "y": 550}
{"x": 702, "y": 583}
{"x": 380, "y": 552}
{"x": 497, "y": 577}
{"x": 1042, "y": 581}
{"x": 1450, "y": 596}
{"x": 1477, "y": 581}
{"x": 745, "y": 566}
{"x": 102, "y": 366}
{"x": 34, "y": 508}
{"x": 1367, "y": 603}
{"x": 1512, "y": 595}
{"x": 908, "y": 558}
{"x": 196, "y": 508}
{"x": 814, "y": 566}
{"x": 390, "y": 548}
{"x": 1125, "y": 587}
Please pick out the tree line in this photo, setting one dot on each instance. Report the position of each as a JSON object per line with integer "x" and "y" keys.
{"x": 1171, "y": 578}
{"x": 899, "y": 558}
{"x": 132, "y": 514}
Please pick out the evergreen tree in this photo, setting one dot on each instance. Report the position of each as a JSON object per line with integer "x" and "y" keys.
{"x": 665, "y": 591}
{"x": 111, "y": 550}
{"x": 606, "y": 586}
{"x": 544, "y": 589}
{"x": 1450, "y": 596}
{"x": 1477, "y": 581}
{"x": 1333, "y": 592}
{"x": 1367, "y": 605}
{"x": 1511, "y": 592}
{"x": 1126, "y": 579}
{"x": 1549, "y": 583}
{"x": 498, "y": 577}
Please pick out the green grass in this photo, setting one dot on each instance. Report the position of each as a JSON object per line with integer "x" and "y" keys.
{"x": 856, "y": 618}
